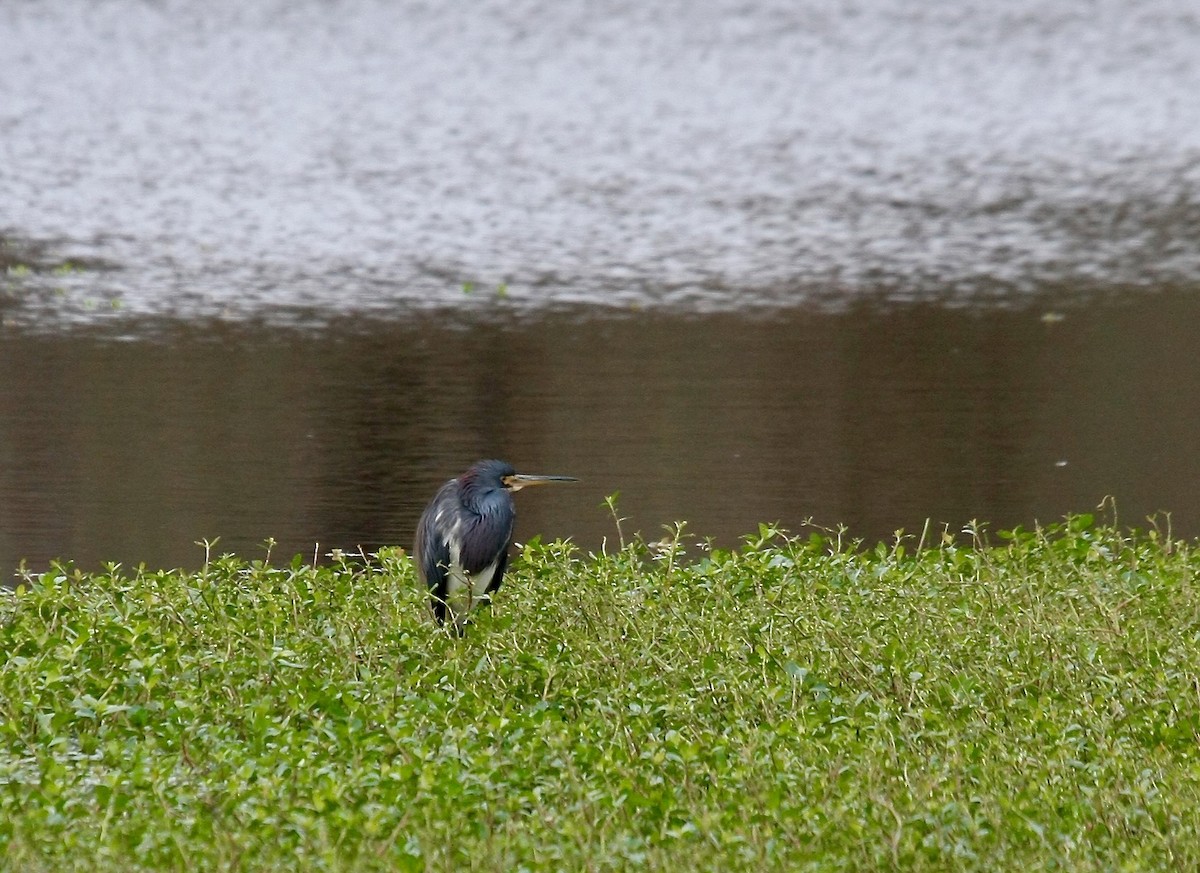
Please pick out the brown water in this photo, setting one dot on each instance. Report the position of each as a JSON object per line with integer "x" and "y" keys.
{"x": 878, "y": 418}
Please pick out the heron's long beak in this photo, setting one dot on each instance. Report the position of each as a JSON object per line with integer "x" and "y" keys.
{"x": 519, "y": 480}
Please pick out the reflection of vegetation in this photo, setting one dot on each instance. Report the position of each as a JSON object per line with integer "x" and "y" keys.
{"x": 501, "y": 289}
{"x": 25, "y": 265}
{"x": 21, "y": 258}
{"x": 798, "y": 703}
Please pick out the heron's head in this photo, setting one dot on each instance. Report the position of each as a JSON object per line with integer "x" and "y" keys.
{"x": 500, "y": 475}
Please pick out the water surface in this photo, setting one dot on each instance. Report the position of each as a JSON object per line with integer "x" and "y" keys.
{"x": 294, "y": 161}
{"x": 880, "y": 419}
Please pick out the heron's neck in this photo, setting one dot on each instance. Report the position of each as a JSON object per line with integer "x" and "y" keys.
{"x": 483, "y": 500}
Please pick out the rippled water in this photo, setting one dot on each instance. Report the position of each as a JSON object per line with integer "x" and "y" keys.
{"x": 293, "y": 161}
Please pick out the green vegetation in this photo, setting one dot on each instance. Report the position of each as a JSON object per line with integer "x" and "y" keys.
{"x": 796, "y": 704}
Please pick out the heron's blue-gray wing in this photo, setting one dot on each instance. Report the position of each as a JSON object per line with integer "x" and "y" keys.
{"x": 431, "y": 552}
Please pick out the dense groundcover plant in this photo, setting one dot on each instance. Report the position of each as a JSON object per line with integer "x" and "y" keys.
{"x": 1029, "y": 699}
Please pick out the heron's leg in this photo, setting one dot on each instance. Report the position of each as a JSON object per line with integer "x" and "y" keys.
{"x": 458, "y": 596}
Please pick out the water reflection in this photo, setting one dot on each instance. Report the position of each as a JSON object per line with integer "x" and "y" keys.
{"x": 877, "y": 418}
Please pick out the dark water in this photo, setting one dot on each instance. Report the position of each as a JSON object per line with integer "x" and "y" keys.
{"x": 133, "y": 450}
{"x": 869, "y": 262}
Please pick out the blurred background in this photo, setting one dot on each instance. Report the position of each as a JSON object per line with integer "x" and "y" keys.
{"x": 278, "y": 269}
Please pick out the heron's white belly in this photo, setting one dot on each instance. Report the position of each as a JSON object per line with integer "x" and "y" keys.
{"x": 473, "y": 585}
{"x": 465, "y": 591}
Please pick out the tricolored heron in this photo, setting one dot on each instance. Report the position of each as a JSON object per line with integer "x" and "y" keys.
{"x": 463, "y": 537}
